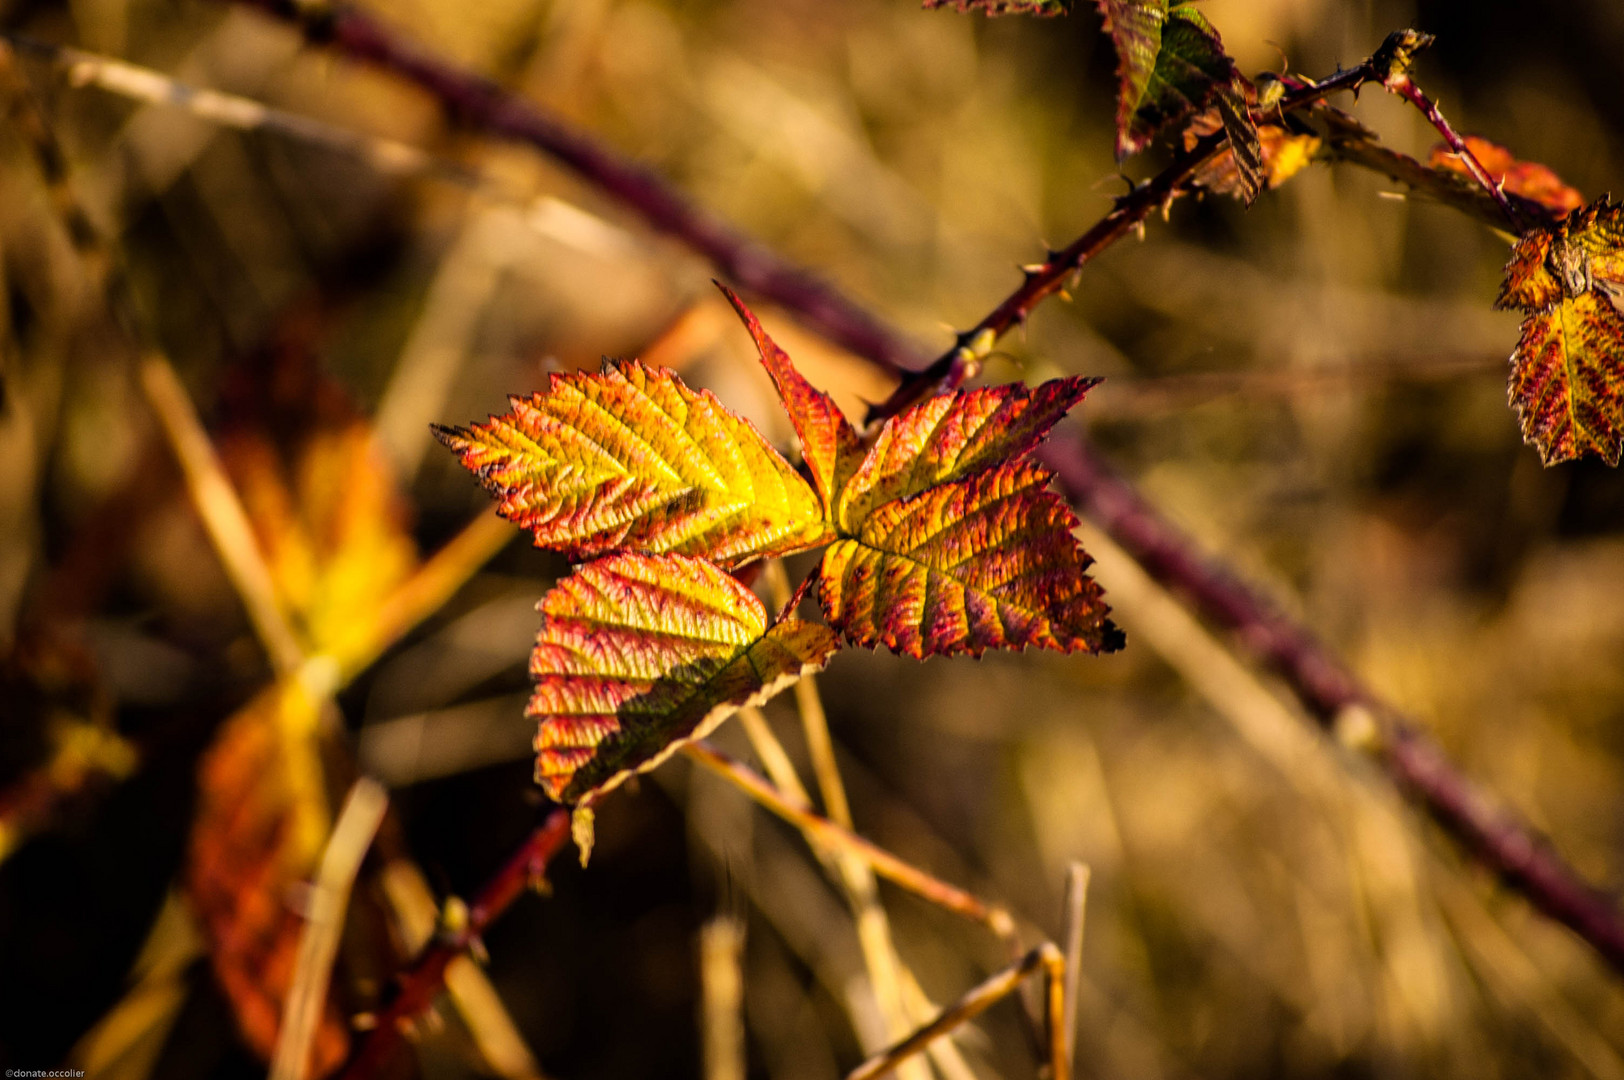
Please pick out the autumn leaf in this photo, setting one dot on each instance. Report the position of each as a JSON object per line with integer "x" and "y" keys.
{"x": 639, "y": 654}
{"x": 633, "y": 460}
{"x": 1528, "y": 179}
{"x": 1567, "y": 379}
{"x": 262, "y": 821}
{"x": 331, "y": 524}
{"x": 1284, "y": 151}
{"x": 953, "y": 436}
{"x": 1171, "y": 65}
{"x": 829, "y": 444}
{"x": 962, "y": 567}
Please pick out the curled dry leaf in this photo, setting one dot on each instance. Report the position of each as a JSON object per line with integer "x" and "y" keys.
{"x": 633, "y": 460}
{"x": 639, "y": 654}
{"x": 1527, "y": 179}
{"x": 1285, "y": 153}
{"x": 1171, "y": 65}
{"x": 1567, "y": 379}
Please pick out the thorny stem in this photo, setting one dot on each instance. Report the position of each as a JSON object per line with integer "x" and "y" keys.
{"x": 1392, "y": 62}
{"x": 1505, "y": 843}
{"x": 1347, "y": 140}
{"x": 422, "y": 984}
{"x": 980, "y": 998}
{"x": 1044, "y": 279}
{"x": 885, "y": 864}
{"x": 1412, "y": 93}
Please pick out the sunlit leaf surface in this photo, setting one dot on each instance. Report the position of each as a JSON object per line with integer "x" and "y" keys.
{"x": 953, "y": 436}
{"x": 633, "y": 460}
{"x": 639, "y": 654}
{"x": 983, "y": 563}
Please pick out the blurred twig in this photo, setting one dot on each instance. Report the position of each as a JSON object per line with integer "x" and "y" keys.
{"x": 231, "y": 110}
{"x": 721, "y": 978}
{"x": 1077, "y": 877}
{"x": 224, "y": 520}
{"x": 856, "y": 878}
{"x": 896, "y": 990}
{"x": 1045, "y": 957}
{"x": 1502, "y": 841}
{"x": 485, "y": 106}
{"x": 357, "y": 823}
{"x": 884, "y": 863}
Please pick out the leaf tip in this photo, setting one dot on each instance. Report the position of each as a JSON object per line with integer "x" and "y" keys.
{"x": 582, "y": 823}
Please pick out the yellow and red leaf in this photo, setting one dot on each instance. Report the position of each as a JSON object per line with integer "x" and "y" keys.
{"x": 829, "y": 444}
{"x": 1567, "y": 378}
{"x": 640, "y": 654}
{"x": 631, "y": 459}
{"x": 962, "y": 567}
{"x": 953, "y": 436}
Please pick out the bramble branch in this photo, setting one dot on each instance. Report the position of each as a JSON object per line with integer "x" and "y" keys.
{"x": 422, "y": 984}
{"x": 1502, "y": 840}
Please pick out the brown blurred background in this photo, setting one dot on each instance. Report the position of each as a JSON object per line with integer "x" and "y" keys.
{"x": 1314, "y": 388}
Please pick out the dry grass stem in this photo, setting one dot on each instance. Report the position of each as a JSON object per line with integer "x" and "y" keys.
{"x": 887, "y": 865}
{"x": 721, "y": 978}
{"x": 329, "y": 898}
{"x": 1077, "y": 878}
{"x": 1045, "y": 958}
{"x": 221, "y": 512}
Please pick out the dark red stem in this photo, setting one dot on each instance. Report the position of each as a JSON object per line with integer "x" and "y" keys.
{"x": 1131, "y": 211}
{"x": 1405, "y": 88}
{"x": 482, "y": 105}
{"x": 1500, "y": 839}
{"x": 423, "y": 983}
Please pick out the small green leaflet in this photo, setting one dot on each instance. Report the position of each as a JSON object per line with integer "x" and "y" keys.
{"x": 1171, "y": 65}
